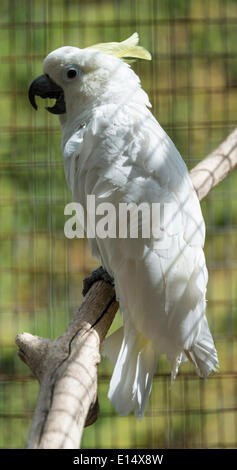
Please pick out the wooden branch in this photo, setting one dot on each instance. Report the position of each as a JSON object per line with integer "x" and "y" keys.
{"x": 67, "y": 366}
{"x": 67, "y": 371}
{"x": 216, "y": 166}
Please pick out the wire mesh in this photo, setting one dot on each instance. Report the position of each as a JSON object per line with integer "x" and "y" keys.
{"x": 192, "y": 84}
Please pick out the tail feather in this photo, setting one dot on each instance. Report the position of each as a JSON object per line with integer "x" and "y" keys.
{"x": 146, "y": 367}
{"x": 135, "y": 362}
{"x": 131, "y": 382}
{"x": 202, "y": 354}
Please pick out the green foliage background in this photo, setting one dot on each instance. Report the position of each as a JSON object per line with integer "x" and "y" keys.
{"x": 192, "y": 84}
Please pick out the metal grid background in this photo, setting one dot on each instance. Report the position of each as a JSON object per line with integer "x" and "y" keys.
{"x": 192, "y": 84}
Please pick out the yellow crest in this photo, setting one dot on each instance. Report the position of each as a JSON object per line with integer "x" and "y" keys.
{"x": 127, "y": 48}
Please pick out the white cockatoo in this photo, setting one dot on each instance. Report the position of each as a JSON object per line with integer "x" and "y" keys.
{"x": 114, "y": 148}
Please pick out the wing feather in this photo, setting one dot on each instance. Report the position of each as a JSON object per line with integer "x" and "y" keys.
{"x": 160, "y": 281}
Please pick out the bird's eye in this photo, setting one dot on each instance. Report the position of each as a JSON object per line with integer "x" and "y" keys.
{"x": 72, "y": 72}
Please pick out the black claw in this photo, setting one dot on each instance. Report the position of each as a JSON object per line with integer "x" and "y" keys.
{"x": 100, "y": 274}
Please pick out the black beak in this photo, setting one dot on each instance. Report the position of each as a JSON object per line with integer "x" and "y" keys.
{"x": 44, "y": 87}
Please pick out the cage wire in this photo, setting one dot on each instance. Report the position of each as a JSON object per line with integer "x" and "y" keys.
{"x": 192, "y": 85}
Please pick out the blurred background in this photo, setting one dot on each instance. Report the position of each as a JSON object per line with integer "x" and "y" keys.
{"x": 192, "y": 84}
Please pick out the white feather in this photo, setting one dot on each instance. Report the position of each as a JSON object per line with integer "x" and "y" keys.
{"x": 115, "y": 149}
{"x": 135, "y": 365}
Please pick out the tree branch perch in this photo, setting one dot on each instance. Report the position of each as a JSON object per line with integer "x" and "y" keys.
{"x": 67, "y": 371}
{"x": 67, "y": 366}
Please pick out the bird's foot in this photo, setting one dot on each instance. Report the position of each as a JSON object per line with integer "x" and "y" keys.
{"x": 100, "y": 274}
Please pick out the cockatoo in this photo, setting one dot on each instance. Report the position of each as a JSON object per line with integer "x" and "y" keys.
{"x": 114, "y": 148}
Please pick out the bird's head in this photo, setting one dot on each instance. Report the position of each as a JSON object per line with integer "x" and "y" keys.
{"x": 87, "y": 77}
